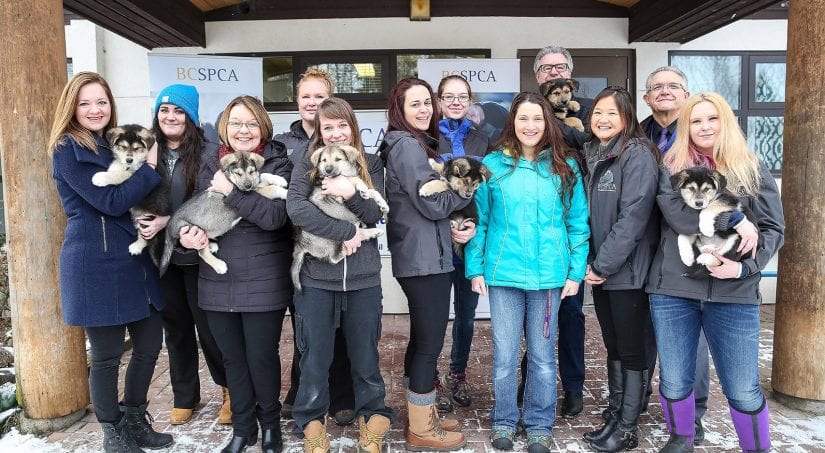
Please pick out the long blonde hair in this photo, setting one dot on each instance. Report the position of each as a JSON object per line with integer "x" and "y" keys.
{"x": 731, "y": 154}
{"x": 65, "y": 122}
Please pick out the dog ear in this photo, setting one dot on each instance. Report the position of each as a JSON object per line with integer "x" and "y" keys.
{"x": 545, "y": 88}
{"x": 257, "y": 159}
{"x": 461, "y": 167}
{"x": 352, "y": 153}
{"x": 316, "y": 156}
{"x": 146, "y": 137}
{"x": 485, "y": 172}
{"x": 229, "y": 159}
{"x": 574, "y": 84}
{"x": 678, "y": 179}
{"x": 721, "y": 181}
{"x": 112, "y": 135}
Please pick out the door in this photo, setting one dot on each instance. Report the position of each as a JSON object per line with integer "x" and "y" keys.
{"x": 595, "y": 69}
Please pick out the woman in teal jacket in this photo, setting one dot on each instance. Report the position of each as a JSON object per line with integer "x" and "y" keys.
{"x": 530, "y": 250}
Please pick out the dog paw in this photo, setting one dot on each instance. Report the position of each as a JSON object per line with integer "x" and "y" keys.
{"x": 213, "y": 246}
{"x": 432, "y": 187}
{"x": 100, "y": 179}
{"x": 707, "y": 249}
{"x": 272, "y": 192}
{"x": 708, "y": 260}
{"x": 270, "y": 179}
{"x": 136, "y": 248}
{"x": 687, "y": 257}
{"x": 220, "y": 267}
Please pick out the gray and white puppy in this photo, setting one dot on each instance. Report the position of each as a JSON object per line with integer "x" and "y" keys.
{"x": 331, "y": 161}
{"x": 208, "y": 211}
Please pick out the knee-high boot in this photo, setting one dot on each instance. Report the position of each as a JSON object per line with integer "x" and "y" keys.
{"x": 624, "y": 436}
{"x": 679, "y": 416}
{"x": 615, "y": 387}
{"x": 753, "y": 429}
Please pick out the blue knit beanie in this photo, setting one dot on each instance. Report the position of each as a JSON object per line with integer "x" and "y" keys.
{"x": 183, "y": 96}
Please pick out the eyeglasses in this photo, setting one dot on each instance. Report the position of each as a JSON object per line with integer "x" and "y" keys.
{"x": 546, "y": 68}
{"x": 237, "y": 125}
{"x": 462, "y": 99}
{"x": 670, "y": 87}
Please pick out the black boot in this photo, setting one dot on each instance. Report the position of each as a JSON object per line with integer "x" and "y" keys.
{"x": 624, "y": 437}
{"x": 615, "y": 387}
{"x": 140, "y": 427}
{"x": 677, "y": 444}
{"x": 116, "y": 438}
{"x": 237, "y": 444}
{"x": 271, "y": 440}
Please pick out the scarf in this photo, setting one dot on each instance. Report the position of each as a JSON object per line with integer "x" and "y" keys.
{"x": 224, "y": 150}
{"x": 455, "y": 131}
{"x": 699, "y": 159}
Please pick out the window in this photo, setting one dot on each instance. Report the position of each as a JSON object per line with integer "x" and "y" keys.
{"x": 69, "y": 67}
{"x": 364, "y": 78}
{"x": 753, "y": 83}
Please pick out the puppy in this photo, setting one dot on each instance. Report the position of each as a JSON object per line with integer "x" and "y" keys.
{"x": 704, "y": 190}
{"x": 462, "y": 175}
{"x": 331, "y": 161}
{"x": 208, "y": 211}
{"x": 130, "y": 148}
{"x": 559, "y": 92}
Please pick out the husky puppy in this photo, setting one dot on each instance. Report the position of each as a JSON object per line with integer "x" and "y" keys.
{"x": 331, "y": 161}
{"x": 208, "y": 211}
{"x": 559, "y": 92}
{"x": 704, "y": 190}
{"x": 130, "y": 148}
{"x": 462, "y": 175}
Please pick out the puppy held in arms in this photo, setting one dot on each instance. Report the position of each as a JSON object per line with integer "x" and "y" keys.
{"x": 130, "y": 148}
{"x": 559, "y": 93}
{"x": 331, "y": 161}
{"x": 208, "y": 211}
{"x": 703, "y": 189}
{"x": 462, "y": 175}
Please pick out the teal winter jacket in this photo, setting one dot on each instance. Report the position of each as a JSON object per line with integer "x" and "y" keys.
{"x": 526, "y": 238}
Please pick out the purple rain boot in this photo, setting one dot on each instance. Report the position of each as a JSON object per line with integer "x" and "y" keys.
{"x": 679, "y": 416}
{"x": 753, "y": 429}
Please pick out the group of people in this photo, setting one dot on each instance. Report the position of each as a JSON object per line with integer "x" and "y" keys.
{"x": 561, "y": 208}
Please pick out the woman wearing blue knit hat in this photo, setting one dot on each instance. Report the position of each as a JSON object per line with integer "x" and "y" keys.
{"x": 180, "y": 145}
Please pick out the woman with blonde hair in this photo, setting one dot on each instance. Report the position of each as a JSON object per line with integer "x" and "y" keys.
{"x": 340, "y": 304}
{"x": 245, "y": 306}
{"x": 725, "y": 305}
{"x": 103, "y": 288}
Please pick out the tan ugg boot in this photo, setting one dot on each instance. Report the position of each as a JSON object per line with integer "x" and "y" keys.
{"x": 225, "y": 414}
{"x": 315, "y": 438}
{"x": 372, "y": 433}
{"x": 425, "y": 432}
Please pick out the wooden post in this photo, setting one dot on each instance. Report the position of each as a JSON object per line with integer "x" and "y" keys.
{"x": 799, "y": 338}
{"x": 50, "y": 358}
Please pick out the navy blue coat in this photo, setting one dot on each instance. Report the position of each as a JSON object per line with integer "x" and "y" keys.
{"x": 101, "y": 284}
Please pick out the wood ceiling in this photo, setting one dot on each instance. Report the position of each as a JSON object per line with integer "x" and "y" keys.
{"x": 209, "y": 5}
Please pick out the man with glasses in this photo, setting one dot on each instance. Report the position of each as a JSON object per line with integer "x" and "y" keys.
{"x": 666, "y": 90}
{"x": 555, "y": 62}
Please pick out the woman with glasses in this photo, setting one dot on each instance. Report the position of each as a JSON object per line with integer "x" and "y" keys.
{"x": 458, "y": 139}
{"x": 529, "y": 252}
{"x": 621, "y": 183}
{"x": 725, "y": 304}
{"x": 245, "y": 307}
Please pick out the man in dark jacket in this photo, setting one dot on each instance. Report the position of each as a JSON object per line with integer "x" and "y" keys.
{"x": 555, "y": 62}
{"x": 666, "y": 90}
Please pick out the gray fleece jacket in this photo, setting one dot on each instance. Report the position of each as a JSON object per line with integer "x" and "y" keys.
{"x": 624, "y": 221}
{"x": 667, "y": 269}
{"x": 418, "y": 229}
{"x": 360, "y": 270}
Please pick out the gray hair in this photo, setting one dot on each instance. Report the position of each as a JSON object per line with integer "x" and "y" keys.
{"x": 552, "y": 49}
{"x": 672, "y": 69}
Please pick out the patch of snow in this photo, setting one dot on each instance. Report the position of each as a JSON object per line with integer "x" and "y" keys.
{"x": 14, "y": 442}
{"x": 8, "y": 389}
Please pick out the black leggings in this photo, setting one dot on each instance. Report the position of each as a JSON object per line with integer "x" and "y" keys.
{"x": 428, "y": 298}
{"x": 107, "y": 350}
{"x": 623, "y": 316}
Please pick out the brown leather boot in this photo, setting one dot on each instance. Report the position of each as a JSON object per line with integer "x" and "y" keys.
{"x": 372, "y": 433}
{"x": 315, "y": 438}
{"x": 225, "y": 414}
{"x": 425, "y": 432}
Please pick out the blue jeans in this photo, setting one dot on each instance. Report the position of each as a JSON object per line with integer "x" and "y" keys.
{"x": 732, "y": 332}
{"x": 511, "y": 310}
{"x": 465, "y": 302}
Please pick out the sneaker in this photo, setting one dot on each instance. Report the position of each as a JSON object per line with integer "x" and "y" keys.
{"x": 539, "y": 443}
{"x": 502, "y": 439}
{"x": 442, "y": 398}
{"x": 457, "y": 383}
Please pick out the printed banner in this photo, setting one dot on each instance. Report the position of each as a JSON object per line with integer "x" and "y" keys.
{"x": 218, "y": 80}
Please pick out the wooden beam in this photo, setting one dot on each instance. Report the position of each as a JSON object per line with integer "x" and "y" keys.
{"x": 50, "y": 357}
{"x": 685, "y": 20}
{"x": 148, "y": 23}
{"x": 798, "y": 375}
